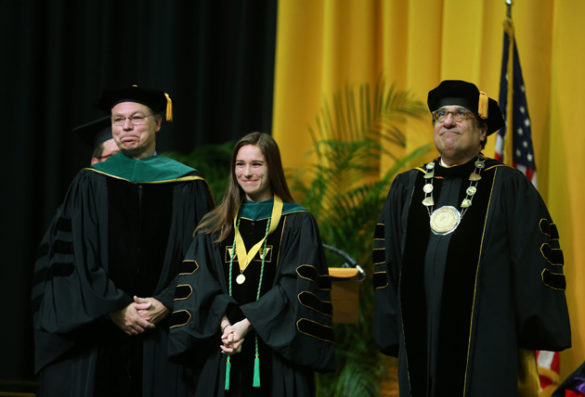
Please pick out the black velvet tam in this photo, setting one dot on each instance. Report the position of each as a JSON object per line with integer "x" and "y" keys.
{"x": 462, "y": 93}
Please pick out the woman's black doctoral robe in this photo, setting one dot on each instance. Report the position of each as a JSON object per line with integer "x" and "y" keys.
{"x": 292, "y": 317}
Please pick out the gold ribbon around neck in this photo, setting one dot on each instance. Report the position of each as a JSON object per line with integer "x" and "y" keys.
{"x": 245, "y": 257}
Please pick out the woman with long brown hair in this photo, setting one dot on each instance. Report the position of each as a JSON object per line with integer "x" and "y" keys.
{"x": 252, "y": 306}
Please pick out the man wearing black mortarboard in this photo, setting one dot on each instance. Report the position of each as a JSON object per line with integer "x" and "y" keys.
{"x": 98, "y": 134}
{"x": 103, "y": 285}
{"x": 468, "y": 270}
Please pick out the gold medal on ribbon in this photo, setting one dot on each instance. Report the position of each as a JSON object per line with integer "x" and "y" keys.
{"x": 241, "y": 279}
{"x": 445, "y": 220}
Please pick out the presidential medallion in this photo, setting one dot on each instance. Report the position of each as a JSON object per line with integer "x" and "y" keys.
{"x": 240, "y": 279}
{"x": 445, "y": 220}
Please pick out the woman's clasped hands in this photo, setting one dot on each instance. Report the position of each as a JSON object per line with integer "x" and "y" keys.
{"x": 233, "y": 335}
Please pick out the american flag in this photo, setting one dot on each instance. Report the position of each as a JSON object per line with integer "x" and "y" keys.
{"x": 513, "y": 102}
{"x": 520, "y": 154}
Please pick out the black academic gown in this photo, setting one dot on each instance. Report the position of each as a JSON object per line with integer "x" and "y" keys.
{"x": 111, "y": 239}
{"x": 458, "y": 310}
{"x": 291, "y": 319}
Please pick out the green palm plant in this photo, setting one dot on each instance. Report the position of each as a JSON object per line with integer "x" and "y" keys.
{"x": 213, "y": 161}
{"x": 345, "y": 190}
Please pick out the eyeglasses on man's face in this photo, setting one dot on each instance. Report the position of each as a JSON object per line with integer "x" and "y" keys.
{"x": 458, "y": 114}
{"x": 135, "y": 119}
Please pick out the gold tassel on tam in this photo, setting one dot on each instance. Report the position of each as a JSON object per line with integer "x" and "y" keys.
{"x": 482, "y": 105}
{"x": 169, "y": 111}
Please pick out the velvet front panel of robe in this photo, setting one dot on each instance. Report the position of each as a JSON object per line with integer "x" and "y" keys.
{"x": 242, "y": 364}
{"x": 438, "y": 357}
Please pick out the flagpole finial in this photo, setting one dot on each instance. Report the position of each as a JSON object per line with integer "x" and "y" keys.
{"x": 509, "y": 8}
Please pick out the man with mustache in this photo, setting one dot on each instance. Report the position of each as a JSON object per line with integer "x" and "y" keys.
{"x": 468, "y": 269}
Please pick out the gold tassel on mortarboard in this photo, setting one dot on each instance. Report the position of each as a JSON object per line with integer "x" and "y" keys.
{"x": 482, "y": 105}
{"x": 169, "y": 112}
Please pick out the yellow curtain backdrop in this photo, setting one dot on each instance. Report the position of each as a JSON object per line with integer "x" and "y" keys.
{"x": 324, "y": 45}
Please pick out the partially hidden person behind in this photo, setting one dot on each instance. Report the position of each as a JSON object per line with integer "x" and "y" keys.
{"x": 468, "y": 268}
{"x": 252, "y": 309}
{"x": 103, "y": 282}
{"x": 98, "y": 134}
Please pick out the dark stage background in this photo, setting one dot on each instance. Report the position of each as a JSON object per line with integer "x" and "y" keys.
{"x": 214, "y": 57}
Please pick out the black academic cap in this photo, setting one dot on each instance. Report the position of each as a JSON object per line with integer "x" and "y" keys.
{"x": 462, "y": 93}
{"x": 96, "y": 131}
{"x": 157, "y": 100}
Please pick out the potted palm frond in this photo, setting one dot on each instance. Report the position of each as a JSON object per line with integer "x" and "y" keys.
{"x": 344, "y": 188}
